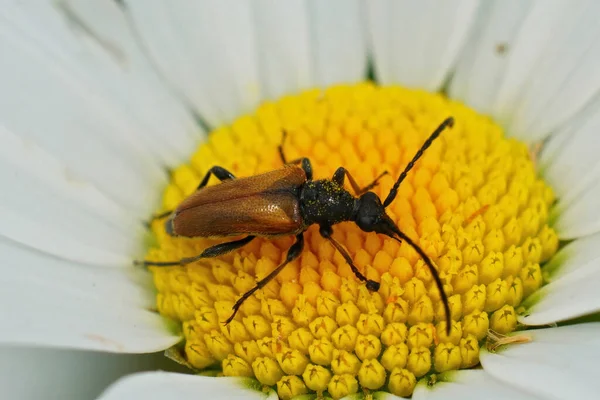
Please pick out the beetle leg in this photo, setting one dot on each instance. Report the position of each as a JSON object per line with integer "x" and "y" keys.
{"x": 306, "y": 166}
{"x": 161, "y": 215}
{"x": 341, "y": 173}
{"x": 339, "y": 176}
{"x": 280, "y": 147}
{"x": 326, "y": 231}
{"x": 293, "y": 253}
{"x": 305, "y": 162}
{"x": 219, "y": 172}
{"x": 210, "y": 252}
{"x": 372, "y": 184}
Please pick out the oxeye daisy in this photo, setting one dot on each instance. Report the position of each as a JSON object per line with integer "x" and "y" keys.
{"x": 114, "y": 112}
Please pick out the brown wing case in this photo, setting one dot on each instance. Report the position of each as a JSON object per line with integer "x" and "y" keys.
{"x": 265, "y": 204}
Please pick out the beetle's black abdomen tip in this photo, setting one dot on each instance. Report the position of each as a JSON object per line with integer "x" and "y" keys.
{"x": 169, "y": 227}
{"x": 373, "y": 286}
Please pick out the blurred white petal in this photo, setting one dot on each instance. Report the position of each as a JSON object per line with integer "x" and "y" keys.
{"x": 569, "y": 162}
{"x": 468, "y": 385}
{"x": 579, "y": 256}
{"x": 416, "y": 43}
{"x": 580, "y": 216}
{"x": 532, "y": 64}
{"x": 166, "y": 386}
{"x": 49, "y": 209}
{"x": 284, "y": 46}
{"x": 338, "y": 41}
{"x": 96, "y": 40}
{"x": 50, "y": 302}
{"x": 205, "y": 50}
{"x": 573, "y": 295}
{"x": 483, "y": 61}
{"x": 50, "y": 98}
{"x": 376, "y": 395}
{"x": 559, "y": 363}
{"x": 34, "y": 373}
{"x": 224, "y": 57}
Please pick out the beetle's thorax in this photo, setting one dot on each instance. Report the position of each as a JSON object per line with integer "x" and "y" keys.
{"x": 325, "y": 202}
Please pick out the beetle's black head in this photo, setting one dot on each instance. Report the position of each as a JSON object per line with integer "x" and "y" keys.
{"x": 371, "y": 216}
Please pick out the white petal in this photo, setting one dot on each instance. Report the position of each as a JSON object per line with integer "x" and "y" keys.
{"x": 570, "y": 164}
{"x": 224, "y": 57}
{"x": 483, "y": 61}
{"x": 580, "y": 256}
{"x": 416, "y": 43}
{"x": 49, "y": 209}
{"x": 205, "y": 50}
{"x": 573, "y": 295}
{"x": 32, "y": 374}
{"x": 376, "y": 395}
{"x": 308, "y": 43}
{"x": 579, "y": 216}
{"x": 338, "y": 42}
{"x": 559, "y": 363}
{"x": 569, "y": 160}
{"x": 545, "y": 72}
{"x": 164, "y": 385}
{"x": 113, "y": 65}
{"x": 284, "y": 42}
{"x": 468, "y": 385}
{"x": 51, "y": 302}
{"x": 44, "y": 100}
{"x": 73, "y": 94}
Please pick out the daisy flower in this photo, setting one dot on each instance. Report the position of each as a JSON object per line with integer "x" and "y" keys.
{"x": 113, "y": 111}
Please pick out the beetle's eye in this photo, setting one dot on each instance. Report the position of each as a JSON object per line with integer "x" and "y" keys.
{"x": 366, "y": 222}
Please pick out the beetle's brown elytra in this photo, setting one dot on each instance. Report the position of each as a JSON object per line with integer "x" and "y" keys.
{"x": 286, "y": 202}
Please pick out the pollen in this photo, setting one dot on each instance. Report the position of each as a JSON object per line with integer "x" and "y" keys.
{"x": 473, "y": 203}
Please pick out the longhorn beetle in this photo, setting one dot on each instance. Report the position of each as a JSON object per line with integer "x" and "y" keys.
{"x": 286, "y": 202}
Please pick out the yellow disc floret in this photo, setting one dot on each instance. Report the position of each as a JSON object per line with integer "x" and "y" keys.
{"x": 473, "y": 203}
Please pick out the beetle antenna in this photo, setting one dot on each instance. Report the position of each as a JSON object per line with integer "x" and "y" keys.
{"x": 448, "y": 122}
{"x": 432, "y": 269}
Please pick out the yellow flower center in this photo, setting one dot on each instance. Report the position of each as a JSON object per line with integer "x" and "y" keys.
{"x": 473, "y": 203}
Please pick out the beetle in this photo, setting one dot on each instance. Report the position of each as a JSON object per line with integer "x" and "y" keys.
{"x": 286, "y": 202}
